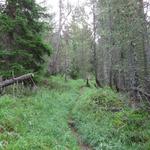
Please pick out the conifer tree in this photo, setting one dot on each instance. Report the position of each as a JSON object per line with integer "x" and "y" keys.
{"x": 21, "y": 44}
{"x": 123, "y": 59}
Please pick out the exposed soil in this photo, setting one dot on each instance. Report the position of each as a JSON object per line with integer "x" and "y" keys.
{"x": 81, "y": 144}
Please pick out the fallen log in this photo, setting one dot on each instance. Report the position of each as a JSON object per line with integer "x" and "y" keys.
{"x": 16, "y": 80}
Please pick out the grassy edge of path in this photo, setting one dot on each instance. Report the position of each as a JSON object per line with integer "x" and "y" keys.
{"x": 39, "y": 121}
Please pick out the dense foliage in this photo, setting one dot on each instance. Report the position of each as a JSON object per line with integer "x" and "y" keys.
{"x": 123, "y": 44}
{"x": 110, "y": 41}
{"x": 21, "y": 44}
{"x": 103, "y": 42}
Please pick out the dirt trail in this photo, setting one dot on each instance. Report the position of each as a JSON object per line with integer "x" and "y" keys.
{"x": 82, "y": 145}
{"x": 71, "y": 125}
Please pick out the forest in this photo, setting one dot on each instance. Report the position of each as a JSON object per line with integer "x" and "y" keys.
{"x": 75, "y": 75}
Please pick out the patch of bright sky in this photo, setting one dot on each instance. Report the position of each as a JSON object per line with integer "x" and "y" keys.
{"x": 53, "y": 5}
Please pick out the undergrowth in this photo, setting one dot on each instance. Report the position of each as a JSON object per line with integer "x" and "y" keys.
{"x": 39, "y": 120}
{"x": 106, "y": 123}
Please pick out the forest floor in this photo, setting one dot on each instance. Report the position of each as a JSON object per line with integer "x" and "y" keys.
{"x": 63, "y": 115}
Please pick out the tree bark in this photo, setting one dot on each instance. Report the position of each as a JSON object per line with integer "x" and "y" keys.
{"x": 94, "y": 45}
{"x": 15, "y": 80}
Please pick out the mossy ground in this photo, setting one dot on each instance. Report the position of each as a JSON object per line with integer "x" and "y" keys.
{"x": 106, "y": 122}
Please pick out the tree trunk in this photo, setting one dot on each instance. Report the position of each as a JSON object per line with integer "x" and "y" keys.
{"x": 94, "y": 45}
{"x": 15, "y": 80}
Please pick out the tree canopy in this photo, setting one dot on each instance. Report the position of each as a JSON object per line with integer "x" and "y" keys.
{"x": 21, "y": 44}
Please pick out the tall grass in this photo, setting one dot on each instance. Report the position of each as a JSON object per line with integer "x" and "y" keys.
{"x": 38, "y": 121}
{"x": 106, "y": 123}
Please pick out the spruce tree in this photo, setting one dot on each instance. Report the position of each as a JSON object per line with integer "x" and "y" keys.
{"x": 21, "y": 46}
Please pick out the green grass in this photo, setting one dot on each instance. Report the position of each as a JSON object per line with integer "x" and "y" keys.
{"x": 106, "y": 123}
{"x": 39, "y": 120}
